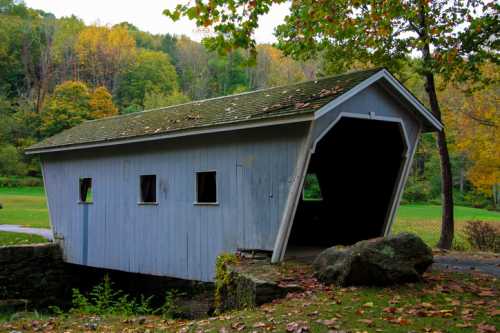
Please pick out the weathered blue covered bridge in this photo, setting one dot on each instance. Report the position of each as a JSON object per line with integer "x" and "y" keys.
{"x": 165, "y": 191}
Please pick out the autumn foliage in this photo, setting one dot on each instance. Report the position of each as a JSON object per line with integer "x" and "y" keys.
{"x": 473, "y": 118}
{"x": 71, "y": 103}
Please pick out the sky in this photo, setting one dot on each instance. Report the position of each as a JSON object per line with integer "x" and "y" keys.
{"x": 147, "y": 15}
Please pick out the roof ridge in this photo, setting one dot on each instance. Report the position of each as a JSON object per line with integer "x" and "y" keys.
{"x": 165, "y": 108}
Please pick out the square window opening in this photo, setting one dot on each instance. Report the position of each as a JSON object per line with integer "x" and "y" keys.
{"x": 312, "y": 190}
{"x": 148, "y": 189}
{"x": 85, "y": 190}
{"x": 206, "y": 186}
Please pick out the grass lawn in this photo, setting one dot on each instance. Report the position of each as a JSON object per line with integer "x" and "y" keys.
{"x": 24, "y": 206}
{"x": 27, "y": 207}
{"x": 14, "y": 238}
{"x": 425, "y": 220}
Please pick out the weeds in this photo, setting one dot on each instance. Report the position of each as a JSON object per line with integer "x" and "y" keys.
{"x": 103, "y": 299}
{"x": 171, "y": 308}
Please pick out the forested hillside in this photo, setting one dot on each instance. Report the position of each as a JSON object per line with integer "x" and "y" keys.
{"x": 58, "y": 72}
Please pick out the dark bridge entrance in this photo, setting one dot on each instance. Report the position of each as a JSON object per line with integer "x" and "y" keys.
{"x": 356, "y": 165}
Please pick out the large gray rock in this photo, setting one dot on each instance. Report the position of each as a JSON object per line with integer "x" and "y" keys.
{"x": 379, "y": 261}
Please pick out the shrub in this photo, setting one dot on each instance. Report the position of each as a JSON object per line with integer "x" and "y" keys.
{"x": 10, "y": 161}
{"x": 417, "y": 192}
{"x": 460, "y": 245}
{"x": 171, "y": 308}
{"x": 483, "y": 236}
{"x": 103, "y": 299}
{"x": 478, "y": 200}
{"x": 20, "y": 181}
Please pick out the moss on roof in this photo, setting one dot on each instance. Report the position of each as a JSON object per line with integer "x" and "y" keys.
{"x": 300, "y": 98}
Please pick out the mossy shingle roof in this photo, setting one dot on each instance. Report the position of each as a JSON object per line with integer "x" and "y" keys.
{"x": 296, "y": 99}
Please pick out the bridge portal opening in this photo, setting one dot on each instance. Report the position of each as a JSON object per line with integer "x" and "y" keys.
{"x": 350, "y": 183}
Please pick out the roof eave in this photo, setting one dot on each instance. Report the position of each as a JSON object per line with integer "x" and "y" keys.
{"x": 233, "y": 126}
{"x": 431, "y": 121}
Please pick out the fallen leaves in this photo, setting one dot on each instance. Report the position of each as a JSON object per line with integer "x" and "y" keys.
{"x": 238, "y": 326}
{"x": 486, "y": 328}
{"x": 297, "y": 327}
{"x": 368, "y": 305}
{"x": 399, "y": 321}
{"x": 330, "y": 323}
{"x": 367, "y": 322}
{"x": 444, "y": 302}
{"x": 487, "y": 293}
{"x": 390, "y": 309}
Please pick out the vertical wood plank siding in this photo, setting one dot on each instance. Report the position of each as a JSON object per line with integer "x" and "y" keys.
{"x": 174, "y": 238}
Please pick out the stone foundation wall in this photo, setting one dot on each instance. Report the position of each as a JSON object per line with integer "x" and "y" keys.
{"x": 33, "y": 272}
{"x": 37, "y": 275}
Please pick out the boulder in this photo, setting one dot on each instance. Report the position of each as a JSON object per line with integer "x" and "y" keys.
{"x": 380, "y": 261}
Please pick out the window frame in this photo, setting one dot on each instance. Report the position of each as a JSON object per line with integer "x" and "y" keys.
{"x": 140, "y": 201}
{"x": 201, "y": 203}
{"x": 87, "y": 201}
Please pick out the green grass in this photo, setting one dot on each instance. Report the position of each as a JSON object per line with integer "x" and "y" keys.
{"x": 431, "y": 212}
{"x": 27, "y": 206}
{"x": 425, "y": 221}
{"x": 14, "y": 238}
{"x": 24, "y": 206}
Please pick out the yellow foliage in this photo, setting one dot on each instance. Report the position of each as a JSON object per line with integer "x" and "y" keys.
{"x": 474, "y": 120}
{"x": 274, "y": 69}
{"x": 104, "y": 52}
{"x": 72, "y": 103}
{"x": 101, "y": 104}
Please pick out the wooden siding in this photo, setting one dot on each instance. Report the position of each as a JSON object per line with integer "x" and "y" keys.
{"x": 174, "y": 238}
{"x": 373, "y": 99}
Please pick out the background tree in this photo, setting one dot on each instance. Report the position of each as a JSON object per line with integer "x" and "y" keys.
{"x": 64, "y": 55}
{"x": 104, "y": 53}
{"x": 73, "y": 102}
{"x": 10, "y": 161}
{"x": 227, "y": 74}
{"x": 473, "y": 119}
{"x": 67, "y": 107}
{"x": 39, "y": 53}
{"x": 272, "y": 68}
{"x": 151, "y": 72}
{"x": 101, "y": 104}
{"x": 155, "y": 100}
{"x": 450, "y": 38}
{"x": 192, "y": 66}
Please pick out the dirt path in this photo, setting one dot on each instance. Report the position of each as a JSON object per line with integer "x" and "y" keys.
{"x": 45, "y": 233}
{"x": 468, "y": 263}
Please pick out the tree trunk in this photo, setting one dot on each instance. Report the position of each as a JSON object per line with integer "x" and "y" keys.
{"x": 494, "y": 191}
{"x": 462, "y": 176}
{"x": 447, "y": 222}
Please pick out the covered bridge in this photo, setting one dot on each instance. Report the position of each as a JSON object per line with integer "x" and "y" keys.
{"x": 164, "y": 191}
